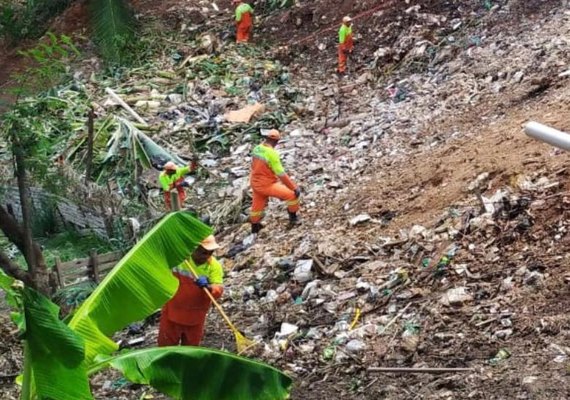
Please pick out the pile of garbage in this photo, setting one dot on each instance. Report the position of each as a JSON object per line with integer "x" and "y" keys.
{"x": 451, "y": 295}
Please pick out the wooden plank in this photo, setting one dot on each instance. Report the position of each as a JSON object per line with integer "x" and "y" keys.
{"x": 108, "y": 257}
{"x": 80, "y": 262}
{"x": 78, "y": 281}
{"x": 104, "y": 268}
{"x": 59, "y": 272}
{"x": 94, "y": 266}
{"x": 74, "y": 270}
{"x": 76, "y": 273}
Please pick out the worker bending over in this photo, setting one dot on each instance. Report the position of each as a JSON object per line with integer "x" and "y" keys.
{"x": 345, "y": 44}
{"x": 183, "y": 317}
{"x": 244, "y": 21}
{"x": 173, "y": 177}
{"x": 268, "y": 179}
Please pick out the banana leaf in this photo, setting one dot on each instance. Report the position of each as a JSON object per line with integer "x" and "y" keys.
{"x": 139, "y": 284}
{"x": 128, "y": 137}
{"x": 112, "y": 25}
{"x": 194, "y": 373}
{"x": 53, "y": 351}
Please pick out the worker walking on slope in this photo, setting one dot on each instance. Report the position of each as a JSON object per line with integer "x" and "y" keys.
{"x": 244, "y": 21}
{"x": 345, "y": 44}
{"x": 183, "y": 317}
{"x": 173, "y": 177}
{"x": 269, "y": 179}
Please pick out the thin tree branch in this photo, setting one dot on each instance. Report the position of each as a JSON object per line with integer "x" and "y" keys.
{"x": 12, "y": 229}
{"x": 13, "y": 269}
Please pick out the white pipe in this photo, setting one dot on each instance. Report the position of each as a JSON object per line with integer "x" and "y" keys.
{"x": 548, "y": 135}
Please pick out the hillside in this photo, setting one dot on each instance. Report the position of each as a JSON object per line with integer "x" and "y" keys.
{"x": 431, "y": 223}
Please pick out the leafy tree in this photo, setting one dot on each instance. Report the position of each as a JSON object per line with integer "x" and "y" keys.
{"x": 31, "y": 138}
{"x": 59, "y": 357}
{"x": 111, "y": 21}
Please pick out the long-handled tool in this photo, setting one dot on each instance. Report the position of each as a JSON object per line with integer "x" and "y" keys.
{"x": 242, "y": 342}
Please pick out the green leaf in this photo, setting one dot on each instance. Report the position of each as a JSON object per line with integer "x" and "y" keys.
{"x": 195, "y": 373}
{"x": 56, "y": 353}
{"x": 113, "y": 27}
{"x": 12, "y": 296}
{"x": 139, "y": 284}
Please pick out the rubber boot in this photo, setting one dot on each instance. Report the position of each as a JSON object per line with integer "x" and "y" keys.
{"x": 255, "y": 228}
{"x": 294, "y": 219}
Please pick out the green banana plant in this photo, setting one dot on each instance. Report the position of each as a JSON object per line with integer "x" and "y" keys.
{"x": 139, "y": 284}
{"x": 58, "y": 358}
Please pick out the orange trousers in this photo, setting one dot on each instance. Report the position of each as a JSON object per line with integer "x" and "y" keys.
{"x": 181, "y": 194}
{"x": 243, "y": 33}
{"x": 173, "y": 334}
{"x": 261, "y": 196}
{"x": 342, "y": 59}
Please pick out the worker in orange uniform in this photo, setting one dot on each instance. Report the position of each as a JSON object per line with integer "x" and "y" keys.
{"x": 173, "y": 177}
{"x": 244, "y": 21}
{"x": 345, "y": 43}
{"x": 183, "y": 317}
{"x": 268, "y": 179}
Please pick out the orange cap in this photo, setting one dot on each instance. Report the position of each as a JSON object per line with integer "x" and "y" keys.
{"x": 210, "y": 243}
{"x": 273, "y": 134}
{"x": 170, "y": 166}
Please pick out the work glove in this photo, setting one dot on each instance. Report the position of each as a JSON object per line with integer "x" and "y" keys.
{"x": 297, "y": 192}
{"x": 194, "y": 165}
{"x": 202, "y": 282}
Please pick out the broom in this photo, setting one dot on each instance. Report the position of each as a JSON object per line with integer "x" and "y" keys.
{"x": 242, "y": 342}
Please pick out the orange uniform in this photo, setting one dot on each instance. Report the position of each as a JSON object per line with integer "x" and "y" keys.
{"x": 183, "y": 317}
{"x": 244, "y": 22}
{"x": 345, "y": 46}
{"x": 176, "y": 180}
{"x": 268, "y": 179}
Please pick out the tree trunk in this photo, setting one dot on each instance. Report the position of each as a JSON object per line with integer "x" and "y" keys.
{"x": 22, "y": 237}
{"x": 90, "y": 135}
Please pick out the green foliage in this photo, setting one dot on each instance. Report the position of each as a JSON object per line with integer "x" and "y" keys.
{"x": 27, "y": 19}
{"x": 49, "y": 60}
{"x": 194, "y": 373}
{"x": 113, "y": 28}
{"x": 55, "y": 353}
{"x": 36, "y": 128}
{"x": 57, "y": 363}
{"x": 72, "y": 297}
{"x": 142, "y": 277}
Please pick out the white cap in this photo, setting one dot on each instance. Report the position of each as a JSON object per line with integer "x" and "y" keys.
{"x": 346, "y": 19}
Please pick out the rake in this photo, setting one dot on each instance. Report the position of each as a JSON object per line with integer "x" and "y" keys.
{"x": 242, "y": 342}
